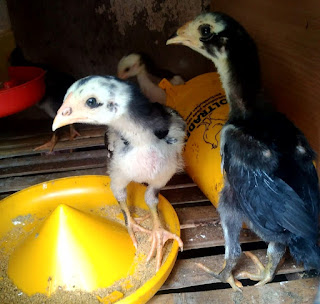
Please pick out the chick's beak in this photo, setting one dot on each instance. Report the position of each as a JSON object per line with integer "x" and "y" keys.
{"x": 176, "y": 39}
{"x": 67, "y": 114}
{"x": 182, "y": 36}
{"x": 122, "y": 75}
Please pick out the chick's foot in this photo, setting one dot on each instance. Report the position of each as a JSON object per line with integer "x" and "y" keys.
{"x": 48, "y": 145}
{"x": 133, "y": 227}
{"x": 159, "y": 236}
{"x": 264, "y": 274}
{"x": 224, "y": 276}
{"x": 141, "y": 219}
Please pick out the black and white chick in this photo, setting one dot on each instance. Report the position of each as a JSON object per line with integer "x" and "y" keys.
{"x": 270, "y": 181}
{"x": 56, "y": 85}
{"x": 148, "y": 139}
{"x": 148, "y": 75}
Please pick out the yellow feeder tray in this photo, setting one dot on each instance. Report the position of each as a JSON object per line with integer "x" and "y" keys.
{"x": 69, "y": 246}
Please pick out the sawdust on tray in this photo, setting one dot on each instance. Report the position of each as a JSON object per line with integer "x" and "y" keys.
{"x": 10, "y": 294}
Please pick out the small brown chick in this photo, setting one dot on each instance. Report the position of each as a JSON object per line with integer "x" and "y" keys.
{"x": 141, "y": 66}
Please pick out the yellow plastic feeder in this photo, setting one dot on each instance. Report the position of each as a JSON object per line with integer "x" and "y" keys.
{"x": 69, "y": 246}
{"x": 202, "y": 103}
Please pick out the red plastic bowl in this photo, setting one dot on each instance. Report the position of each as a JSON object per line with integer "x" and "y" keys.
{"x": 28, "y": 93}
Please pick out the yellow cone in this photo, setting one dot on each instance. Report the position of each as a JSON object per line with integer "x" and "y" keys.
{"x": 74, "y": 250}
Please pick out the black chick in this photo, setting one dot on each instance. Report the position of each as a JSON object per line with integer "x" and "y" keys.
{"x": 270, "y": 180}
{"x": 57, "y": 83}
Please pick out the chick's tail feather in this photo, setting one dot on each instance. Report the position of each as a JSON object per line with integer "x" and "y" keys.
{"x": 305, "y": 251}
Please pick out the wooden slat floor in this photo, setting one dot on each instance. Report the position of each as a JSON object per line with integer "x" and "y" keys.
{"x": 201, "y": 232}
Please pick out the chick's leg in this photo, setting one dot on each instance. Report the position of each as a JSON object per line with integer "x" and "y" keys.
{"x": 131, "y": 224}
{"x": 73, "y": 132}
{"x": 118, "y": 188}
{"x": 265, "y": 274}
{"x": 50, "y": 144}
{"x": 159, "y": 235}
{"x": 231, "y": 221}
{"x": 54, "y": 139}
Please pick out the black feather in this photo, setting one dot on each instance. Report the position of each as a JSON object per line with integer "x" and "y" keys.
{"x": 161, "y": 133}
{"x": 242, "y": 55}
{"x": 278, "y": 192}
{"x": 151, "y": 115}
{"x": 305, "y": 251}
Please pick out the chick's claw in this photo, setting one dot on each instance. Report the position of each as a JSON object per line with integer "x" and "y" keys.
{"x": 223, "y": 276}
{"x": 132, "y": 227}
{"x": 141, "y": 219}
{"x": 263, "y": 276}
{"x": 48, "y": 145}
{"x": 159, "y": 236}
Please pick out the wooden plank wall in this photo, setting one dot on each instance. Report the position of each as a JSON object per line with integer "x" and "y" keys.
{"x": 115, "y": 28}
{"x": 287, "y": 33}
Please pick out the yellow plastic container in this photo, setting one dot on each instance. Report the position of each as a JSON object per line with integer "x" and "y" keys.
{"x": 54, "y": 211}
{"x": 202, "y": 103}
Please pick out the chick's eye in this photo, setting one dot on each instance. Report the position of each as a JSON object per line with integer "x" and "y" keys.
{"x": 205, "y": 31}
{"x": 126, "y": 69}
{"x": 92, "y": 102}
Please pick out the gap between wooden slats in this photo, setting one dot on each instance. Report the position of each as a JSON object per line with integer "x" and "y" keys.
{"x": 187, "y": 195}
{"x": 50, "y": 158}
{"x": 61, "y": 145}
{"x": 186, "y": 273}
{"x": 18, "y": 183}
{"x": 26, "y": 139}
{"x": 25, "y": 146}
{"x": 298, "y": 291}
{"x": 211, "y": 235}
{"x": 52, "y": 163}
